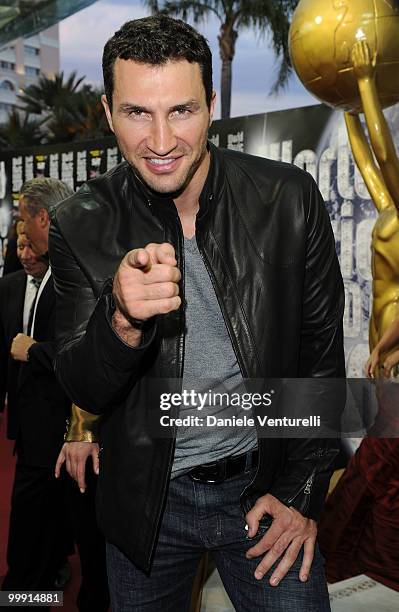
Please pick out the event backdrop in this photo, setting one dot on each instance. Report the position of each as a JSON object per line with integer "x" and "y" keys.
{"x": 313, "y": 138}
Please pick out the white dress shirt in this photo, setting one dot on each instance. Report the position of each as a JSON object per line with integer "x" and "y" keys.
{"x": 30, "y": 294}
{"x": 40, "y": 291}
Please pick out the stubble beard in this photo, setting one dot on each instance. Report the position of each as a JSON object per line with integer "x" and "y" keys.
{"x": 184, "y": 181}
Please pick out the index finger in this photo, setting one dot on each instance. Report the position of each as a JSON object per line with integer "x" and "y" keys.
{"x": 138, "y": 258}
{"x": 272, "y": 535}
{"x": 162, "y": 253}
{"x": 285, "y": 564}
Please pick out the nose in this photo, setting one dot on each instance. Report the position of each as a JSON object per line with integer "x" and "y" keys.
{"x": 26, "y": 255}
{"x": 162, "y": 139}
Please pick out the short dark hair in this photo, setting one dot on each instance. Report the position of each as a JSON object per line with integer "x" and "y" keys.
{"x": 43, "y": 193}
{"x": 156, "y": 40}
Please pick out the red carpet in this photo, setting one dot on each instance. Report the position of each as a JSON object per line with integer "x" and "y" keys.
{"x": 7, "y": 463}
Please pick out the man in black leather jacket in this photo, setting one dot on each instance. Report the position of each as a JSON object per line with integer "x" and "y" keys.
{"x": 123, "y": 268}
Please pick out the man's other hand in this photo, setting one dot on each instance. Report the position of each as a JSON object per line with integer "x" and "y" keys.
{"x": 20, "y": 346}
{"x": 146, "y": 283}
{"x": 287, "y": 534}
{"x": 75, "y": 455}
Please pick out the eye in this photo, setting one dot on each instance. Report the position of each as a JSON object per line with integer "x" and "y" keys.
{"x": 137, "y": 113}
{"x": 181, "y": 112}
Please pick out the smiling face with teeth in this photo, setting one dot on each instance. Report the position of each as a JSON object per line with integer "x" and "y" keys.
{"x": 160, "y": 118}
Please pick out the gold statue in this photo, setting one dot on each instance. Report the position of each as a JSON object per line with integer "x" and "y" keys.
{"x": 382, "y": 180}
{"x": 321, "y": 39}
{"x": 347, "y": 54}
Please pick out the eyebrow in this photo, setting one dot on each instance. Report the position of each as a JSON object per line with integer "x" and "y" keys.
{"x": 129, "y": 107}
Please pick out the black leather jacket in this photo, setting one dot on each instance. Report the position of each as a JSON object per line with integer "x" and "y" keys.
{"x": 265, "y": 237}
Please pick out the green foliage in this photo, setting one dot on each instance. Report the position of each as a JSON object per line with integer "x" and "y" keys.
{"x": 80, "y": 117}
{"x": 48, "y": 94}
{"x": 267, "y": 17}
{"x": 55, "y": 110}
{"x": 20, "y": 130}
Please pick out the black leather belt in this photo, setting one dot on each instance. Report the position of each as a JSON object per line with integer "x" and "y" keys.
{"x": 228, "y": 467}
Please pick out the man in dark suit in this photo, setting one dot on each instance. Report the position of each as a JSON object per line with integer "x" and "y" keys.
{"x": 36, "y": 545}
{"x": 40, "y": 502}
{"x": 17, "y": 294}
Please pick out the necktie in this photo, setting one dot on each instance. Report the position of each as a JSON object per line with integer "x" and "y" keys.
{"x": 36, "y": 283}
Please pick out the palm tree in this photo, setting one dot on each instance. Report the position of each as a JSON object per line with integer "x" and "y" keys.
{"x": 88, "y": 114}
{"x": 49, "y": 93}
{"x": 264, "y": 16}
{"x": 20, "y": 130}
{"x": 69, "y": 109}
{"x": 80, "y": 118}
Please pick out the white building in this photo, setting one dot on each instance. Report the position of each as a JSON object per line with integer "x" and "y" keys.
{"x": 21, "y": 63}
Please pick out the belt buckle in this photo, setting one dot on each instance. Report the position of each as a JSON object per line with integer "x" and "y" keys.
{"x": 211, "y": 474}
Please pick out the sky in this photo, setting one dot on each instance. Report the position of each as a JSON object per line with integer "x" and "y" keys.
{"x": 83, "y": 35}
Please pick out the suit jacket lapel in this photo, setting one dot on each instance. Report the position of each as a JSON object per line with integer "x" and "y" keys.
{"x": 44, "y": 313}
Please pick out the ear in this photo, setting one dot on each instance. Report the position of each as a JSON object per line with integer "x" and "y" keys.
{"x": 44, "y": 218}
{"x": 108, "y": 113}
{"x": 212, "y": 107}
{"x": 21, "y": 205}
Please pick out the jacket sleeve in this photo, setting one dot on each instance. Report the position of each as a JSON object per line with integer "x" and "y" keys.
{"x": 304, "y": 481}
{"x": 93, "y": 364}
{"x": 41, "y": 357}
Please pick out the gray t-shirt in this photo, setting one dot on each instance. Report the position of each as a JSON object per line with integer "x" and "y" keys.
{"x": 210, "y": 364}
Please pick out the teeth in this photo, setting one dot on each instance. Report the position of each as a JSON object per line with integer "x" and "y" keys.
{"x": 161, "y": 162}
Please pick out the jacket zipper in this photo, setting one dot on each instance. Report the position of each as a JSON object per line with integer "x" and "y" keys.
{"x": 306, "y": 489}
{"x": 172, "y": 452}
{"x": 222, "y": 308}
{"x": 233, "y": 343}
{"x": 308, "y": 486}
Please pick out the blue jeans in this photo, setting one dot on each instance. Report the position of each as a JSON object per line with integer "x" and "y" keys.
{"x": 199, "y": 518}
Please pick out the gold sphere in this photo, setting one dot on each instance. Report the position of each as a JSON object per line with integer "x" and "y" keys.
{"x": 321, "y": 38}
